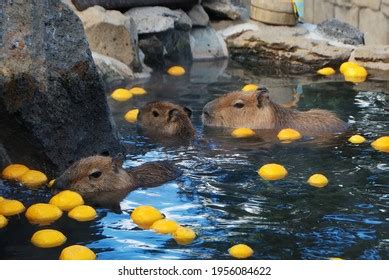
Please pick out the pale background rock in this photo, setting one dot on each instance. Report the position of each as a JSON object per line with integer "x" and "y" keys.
{"x": 158, "y": 19}
{"x": 110, "y": 69}
{"x": 374, "y": 57}
{"x": 369, "y": 16}
{"x": 221, "y": 9}
{"x": 112, "y": 34}
{"x": 198, "y": 16}
{"x": 207, "y": 44}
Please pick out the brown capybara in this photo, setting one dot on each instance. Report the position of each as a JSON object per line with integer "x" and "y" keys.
{"x": 164, "y": 119}
{"x": 256, "y": 111}
{"x": 102, "y": 181}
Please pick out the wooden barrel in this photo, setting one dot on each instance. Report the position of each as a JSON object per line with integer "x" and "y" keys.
{"x": 277, "y": 12}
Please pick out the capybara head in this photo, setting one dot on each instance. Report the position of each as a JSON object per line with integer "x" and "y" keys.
{"x": 161, "y": 118}
{"x": 240, "y": 109}
{"x": 92, "y": 175}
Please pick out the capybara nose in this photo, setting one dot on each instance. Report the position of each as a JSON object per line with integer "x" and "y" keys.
{"x": 263, "y": 89}
{"x": 59, "y": 185}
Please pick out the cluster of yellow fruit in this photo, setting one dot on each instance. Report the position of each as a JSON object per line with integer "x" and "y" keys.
{"x": 122, "y": 95}
{"x": 381, "y": 144}
{"x": 148, "y": 217}
{"x": 47, "y": 213}
{"x": 351, "y": 71}
{"x": 24, "y": 175}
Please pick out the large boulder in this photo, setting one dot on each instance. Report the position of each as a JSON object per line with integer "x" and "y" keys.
{"x": 159, "y": 19}
{"x": 341, "y": 31}
{"x": 198, "y": 16}
{"x": 52, "y": 103}
{"x": 163, "y": 35}
{"x": 207, "y": 44}
{"x": 112, "y": 34}
{"x": 284, "y": 49}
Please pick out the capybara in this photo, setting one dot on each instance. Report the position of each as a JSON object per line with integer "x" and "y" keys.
{"x": 162, "y": 119}
{"x": 256, "y": 111}
{"x": 102, "y": 181}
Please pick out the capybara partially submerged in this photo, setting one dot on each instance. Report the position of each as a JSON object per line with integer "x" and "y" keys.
{"x": 162, "y": 119}
{"x": 256, "y": 111}
{"x": 102, "y": 181}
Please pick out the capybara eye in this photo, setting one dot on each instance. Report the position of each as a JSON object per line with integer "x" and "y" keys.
{"x": 95, "y": 175}
{"x": 155, "y": 114}
{"x": 239, "y": 105}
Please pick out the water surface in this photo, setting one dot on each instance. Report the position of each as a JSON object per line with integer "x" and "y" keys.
{"x": 220, "y": 194}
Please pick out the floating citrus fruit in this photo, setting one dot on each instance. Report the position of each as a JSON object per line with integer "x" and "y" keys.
{"x": 48, "y": 238}
{"x": 43, "y": 213}
{"x": 77, "y": 252}
{"x": 67, "y": 200}
{"x": 381, "y": 144}
{"x": 335, "y": 259}
{"x": 357, "y": 139}
{"x": 121, "y": 95}
{"x": 327, "y": 71}
{"x": 3, "y": 221}
{"x": 250, "y": 87}
{"x": 355, "y": 74}
{"x": 164, "y": 226}
{"x": 241, "y": 251}
{"x": 272, "y": 171}
{"x": 144, "y": 216}
{"x": 318, "y": 180}
{"x": 14, "y": 171}
{"x": 288, "y": 134}
{"x": 137, "y": 91}
{"x": 33, "y": 179}
{"x": 346, "y": 65}
{"x": 176, "y": 71}
{"x": 184, "y": 236}
{"x": 1, "y": 198}
{"x": 10, "y": 207}
{"x": 242, "y": 132}
{"x": 83, "y": 213}
{"x": 132, "y": 115}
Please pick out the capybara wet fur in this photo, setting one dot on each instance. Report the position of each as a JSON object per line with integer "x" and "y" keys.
{"x": 162, "y": 119}
{"x": 256, "y": 111}
{"x": 102, "y": 181}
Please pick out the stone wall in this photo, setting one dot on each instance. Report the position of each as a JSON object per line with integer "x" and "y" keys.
{"x": 370, "y": 16}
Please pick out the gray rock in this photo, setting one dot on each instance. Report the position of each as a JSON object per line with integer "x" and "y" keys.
{"x": 207, "y": 44}
{"x": 158, "y": 19}
{"x": 124, "y": 5}
{"x": 52, "y": 102}
{"x": 198, "y": 16}
{"x": 169, "y": 47}
{"x": 372, "y": 57}
{"x": 284, "y": 49}
{"x": 341, "y": 31}
{"x": 111, "y": 70}
{"x": 112, "y": 34}
{"x": 221, "y": 9}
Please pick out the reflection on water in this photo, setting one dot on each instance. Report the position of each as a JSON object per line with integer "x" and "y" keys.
{"x": 220, "y": 194}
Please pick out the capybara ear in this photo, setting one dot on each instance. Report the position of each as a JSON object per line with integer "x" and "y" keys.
{"x": 262, "y": 96}
{"x": 117, "y": 162}
{"x": 173, "y": 114}
{"x": 188, "y": 111}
